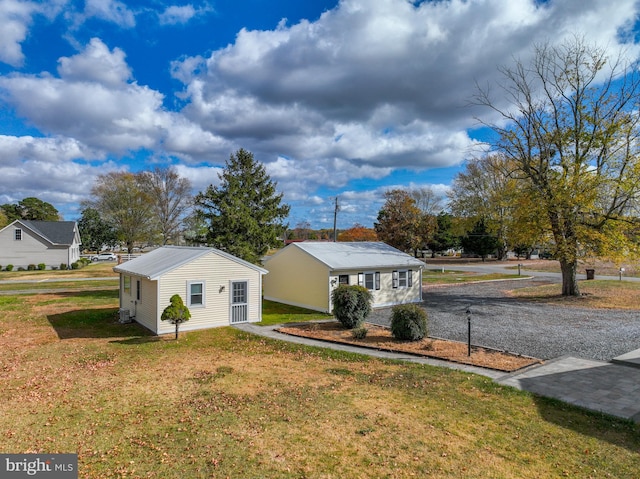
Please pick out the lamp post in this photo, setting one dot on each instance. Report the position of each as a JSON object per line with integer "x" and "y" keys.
{"x": 469, "y": 331}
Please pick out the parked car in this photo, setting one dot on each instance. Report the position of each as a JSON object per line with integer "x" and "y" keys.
{"x": 105, "y": 257}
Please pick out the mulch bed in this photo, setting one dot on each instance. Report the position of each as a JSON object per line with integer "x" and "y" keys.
{"x": 380, "y": 338}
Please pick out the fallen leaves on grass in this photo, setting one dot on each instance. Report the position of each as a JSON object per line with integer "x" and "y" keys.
{"x": 381, "y": 338}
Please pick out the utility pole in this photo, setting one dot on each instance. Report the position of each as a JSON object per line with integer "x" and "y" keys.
{"x": 335, "y": 220}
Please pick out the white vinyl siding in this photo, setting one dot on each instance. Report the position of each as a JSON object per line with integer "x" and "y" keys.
{"x": 214, "y": 272}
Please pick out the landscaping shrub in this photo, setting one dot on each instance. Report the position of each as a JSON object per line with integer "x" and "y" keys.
{"x": 359, "y": 332}
{"x": 408, "y": 322}
{"x": 9, "y": 267}
{"x": 64, "y": 266}
{"x": 31, "y": 267}
{"x": 351, "y": 305}
{"x": 75, "y": 265}
{"x": 20, "y": 268}
{"x": 42, "y": 266}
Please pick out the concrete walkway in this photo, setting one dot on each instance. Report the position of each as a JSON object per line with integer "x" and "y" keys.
{"x": 608, "y": 387}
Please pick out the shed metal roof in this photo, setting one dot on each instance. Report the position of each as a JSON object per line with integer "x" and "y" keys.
{"x": 357, "y": 255}
{"x": 154, "y": 264}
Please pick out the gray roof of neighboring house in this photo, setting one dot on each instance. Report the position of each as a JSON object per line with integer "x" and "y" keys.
{"x": 154, "y": 264}
{"x": 357, "y": 255}
{"x": 57, "y": 232}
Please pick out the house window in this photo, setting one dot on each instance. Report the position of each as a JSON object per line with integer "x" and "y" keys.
{"x": 138, "y": 289}
{"x": 17, "y": 234}
{"x": 195, "y": 293}
{"x": 343, "y": 279}
{"x": 402, "y": 279}
{"x": 127, "y": 284}
{"x": 371, "y": 280}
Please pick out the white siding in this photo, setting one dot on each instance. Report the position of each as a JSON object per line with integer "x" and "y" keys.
{"x": 215, "y": 272}
{"x": 143, "y": 311}
{"x": 387, "y": 295}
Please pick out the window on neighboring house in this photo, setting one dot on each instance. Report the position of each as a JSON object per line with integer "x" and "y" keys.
{"x": 17, "y": 234}
{"x": 402, "y": 279}
{"x": 138, "y": 289}
{"x": 127, "y": 284}
{"x": 343, "y": 279}
{"x": 371, "y": 280}
{"x": 195, "y": 293}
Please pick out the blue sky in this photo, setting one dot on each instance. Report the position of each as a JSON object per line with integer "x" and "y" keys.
{"x": 342, "y": 98}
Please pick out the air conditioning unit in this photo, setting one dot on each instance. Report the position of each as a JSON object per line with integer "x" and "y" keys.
{"x": 124, "y": 316}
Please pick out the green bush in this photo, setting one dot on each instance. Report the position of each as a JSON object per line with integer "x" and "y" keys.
{"x": 9, "y": 267}
{"x": 359, "y": 332}
{"x": 64, "y": 266}
{"x": 408, "y": 322}
{"x": 75, "y": 265}
{"x": 31, "y": 267}
{"x": 20, "y": 268}
{"x": 84, "y": 261}
{"x": 351, "y": 305}
{"x": 42, "y": 266}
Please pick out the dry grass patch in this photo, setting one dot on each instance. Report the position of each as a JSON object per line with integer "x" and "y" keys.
{"x": 223, "y": 403}
{"x": 381, "y": 338}
{"x": 598, "y": 294}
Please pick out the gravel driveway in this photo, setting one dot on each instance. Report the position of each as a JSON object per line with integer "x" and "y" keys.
{"x": 532, "y": 329}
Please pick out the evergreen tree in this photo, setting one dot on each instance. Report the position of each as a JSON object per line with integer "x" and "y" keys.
{"x": 244, "y": 215}
{"x": 479, "y": 241}
{"x": 176, "y": 313}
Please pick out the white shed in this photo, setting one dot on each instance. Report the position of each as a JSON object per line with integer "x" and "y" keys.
{"x": 304, "y": 274}
{"x": 218, "y": 288}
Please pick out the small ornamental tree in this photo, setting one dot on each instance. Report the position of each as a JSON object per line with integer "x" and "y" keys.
{"x": 176, "y": 313}
{"x": 351, "y": 305}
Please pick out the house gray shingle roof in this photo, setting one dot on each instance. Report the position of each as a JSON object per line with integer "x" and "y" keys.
{"x": 357, "y": 255}
{"x": 154, "y": 264}
{"x": 57, "y": 232}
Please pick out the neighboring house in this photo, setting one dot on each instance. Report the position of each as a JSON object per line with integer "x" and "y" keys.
{"x": 26, "y": 242}
{"x": 304, "y": 274}
{"x": 218, "y": 288}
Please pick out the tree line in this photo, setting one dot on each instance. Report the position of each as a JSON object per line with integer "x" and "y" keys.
{"x": 243, "y": 215}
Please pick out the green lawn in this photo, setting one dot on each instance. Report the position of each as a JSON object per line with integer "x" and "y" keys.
{"x": 445, "y": 276}
{"x": 278, "y": 313}
{"x": 224, "y": 403}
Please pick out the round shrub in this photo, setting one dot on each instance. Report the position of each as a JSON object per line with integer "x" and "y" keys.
{"x": 9, "y": 267}
{"x": 31, "y": 267}
{"x": 64, "y": 266}
{"x": 359, "y": 333}
{"x": 42, "y": 266}
{"x": 351, "y": 305}
{"x": 408, "y": 322}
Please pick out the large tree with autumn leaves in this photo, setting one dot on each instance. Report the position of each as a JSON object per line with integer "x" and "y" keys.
{"x": 570, "y": 124}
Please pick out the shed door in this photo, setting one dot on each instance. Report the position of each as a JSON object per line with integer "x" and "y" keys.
{"x": 239, "y": 301}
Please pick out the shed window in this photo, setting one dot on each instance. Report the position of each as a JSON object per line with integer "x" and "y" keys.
{"x": 402, "y": 279}
{"x": 195, "y": 293}
{"x": 343, "y": 279}
{"x": 17, "y": 234}
{"x": 371, "y": 281}
{"x": 138, "y": 289}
